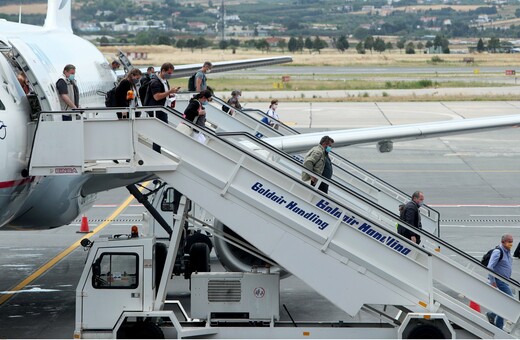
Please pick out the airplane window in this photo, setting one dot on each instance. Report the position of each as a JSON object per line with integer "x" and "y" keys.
{"x": 2, "y": 107}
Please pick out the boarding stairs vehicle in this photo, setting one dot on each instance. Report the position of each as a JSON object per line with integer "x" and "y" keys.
{"x": 344, "y": 246}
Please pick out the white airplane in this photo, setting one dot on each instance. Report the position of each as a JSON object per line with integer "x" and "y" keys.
{"x": 42, "y": 52}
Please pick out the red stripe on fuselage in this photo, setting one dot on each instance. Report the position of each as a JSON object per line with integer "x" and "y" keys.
{"x": 15, "y": 183}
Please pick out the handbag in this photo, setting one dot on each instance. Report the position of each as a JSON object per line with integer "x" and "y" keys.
{"x": 183, "y": 128}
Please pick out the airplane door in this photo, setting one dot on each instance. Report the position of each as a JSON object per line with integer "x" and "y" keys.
{"x": 36, "y": 66}
{"x": 115, "y": 285}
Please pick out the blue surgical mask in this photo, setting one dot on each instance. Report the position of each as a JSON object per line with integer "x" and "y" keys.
{"x": 71, "y": 77}
{"x": 328, "y": 149}
{"x": 136, "y": 81}
{"x": 168, "y": 76}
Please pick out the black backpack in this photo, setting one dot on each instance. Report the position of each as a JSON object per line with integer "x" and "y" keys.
{"x": 110, "y": 98}
{"x": 487, "y": 256}
{"x": 145, "y": 81}
{"x": 191, "y": 83}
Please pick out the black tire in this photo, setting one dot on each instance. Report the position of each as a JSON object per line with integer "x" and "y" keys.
{"x": 140, "y": 330}
{"x": 197, "y": 238}
{"x": 199, "y": 258}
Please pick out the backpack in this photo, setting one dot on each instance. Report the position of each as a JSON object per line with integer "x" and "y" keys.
{"x": 487, "y": 256}
{"x": 191, "y": 83}
{"x": 110, "y": 98}
{"x": 144, "y": 88}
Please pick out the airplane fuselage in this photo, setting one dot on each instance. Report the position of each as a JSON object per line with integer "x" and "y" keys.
{"x": 25, "y": 200}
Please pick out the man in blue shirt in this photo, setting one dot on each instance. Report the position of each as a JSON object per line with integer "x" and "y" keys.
{"x": 502, "y": 267}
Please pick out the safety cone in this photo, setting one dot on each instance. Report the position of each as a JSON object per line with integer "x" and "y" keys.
{"x": 84, "y": 225}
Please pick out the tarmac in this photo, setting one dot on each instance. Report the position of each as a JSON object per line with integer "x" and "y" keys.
{"x": 472, "y": 180}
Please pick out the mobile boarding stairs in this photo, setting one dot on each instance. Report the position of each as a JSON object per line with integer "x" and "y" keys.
{"x": 343, "y": 246}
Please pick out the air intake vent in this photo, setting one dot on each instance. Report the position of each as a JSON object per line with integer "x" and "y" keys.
{"x": 224, "y": 291}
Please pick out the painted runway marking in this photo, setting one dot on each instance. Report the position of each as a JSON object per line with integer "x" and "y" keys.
{"x": 52, "y": 262}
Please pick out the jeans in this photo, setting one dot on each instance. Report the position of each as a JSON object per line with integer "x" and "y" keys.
{"x": 504, "y": 287}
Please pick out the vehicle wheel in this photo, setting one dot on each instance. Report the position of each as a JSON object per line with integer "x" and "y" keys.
{"x": 197, "y": 238}
{"x": 140, "y": 330}
{"x": 199, "y": 258}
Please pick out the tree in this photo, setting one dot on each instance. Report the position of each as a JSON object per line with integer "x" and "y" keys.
{"x": 410, "y": 48}
{"x": 223, "y": 44}
{"x": 400, "y": 45}
{"x": 429, "y": 44}
{"x": 181, "y": 43}
{"x": 292, "y": 46}
{"x": 360, "y": 48}
{"x": 103, "y": 41}
{"x": 493, "y": 44}
{"x": 191, "y": 44}
{"x": 262, "y": 45}
{"x": 301, "y": 44}
{"x": 202, "y": 43}
{"x": 369, "y": 43}
{"x": 309, "y": 44}
{"x": 420, "y": 45}
{"x": 379, "y": 45}
{"x": 389, "y": 46}
{"x": 342, "y": 44}
{"x": 517, "y": 12}
{"x": 319, "y": 44}
{"x": 480, "y": 46}
{"x": 282, "y": 44}
{"x": 163, "y": 40}
{"x": 360, "y": 33}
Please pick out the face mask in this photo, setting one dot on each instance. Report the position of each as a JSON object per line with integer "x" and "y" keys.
{"x": 208, "y": 71}
{"x": 71, "y": 77}
{"x": 136, "y": 81}
{"x": 168, "y": 76}
{"x": 238, "y": 97}
{"x": 328, "y": 149}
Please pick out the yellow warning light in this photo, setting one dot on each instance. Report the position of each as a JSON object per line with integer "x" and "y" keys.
{"x": 427, "y": 316}
{"x": 306, "y": 333}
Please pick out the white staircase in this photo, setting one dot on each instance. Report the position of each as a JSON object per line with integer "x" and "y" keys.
{"x": 344, "y": 246}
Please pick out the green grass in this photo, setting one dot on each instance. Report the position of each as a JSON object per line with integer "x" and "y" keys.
{"x": 325, "y": 83}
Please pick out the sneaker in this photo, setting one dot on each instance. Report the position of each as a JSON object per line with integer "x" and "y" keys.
{"x": 491, "y": 318}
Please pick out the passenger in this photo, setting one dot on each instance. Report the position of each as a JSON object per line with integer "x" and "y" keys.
{"x": 115, "y": 65}
{"x": 272, "y": 114}
{"x": 502, "y": 267}
{"x": 200, "y": 77}
{"x": 315, "y": 160}
{"x": 22, "y": 79}
{"x": 68, "y": 90}
{"x": 195, "y": 111}
{"x": 233, "y": 102}
{"x": 126, "y": 91}
{"x": 158, "y": 91}
{"x": 145, "y": 81}
{"x": 327, "y": 170}
{"x": 410, "y": 214}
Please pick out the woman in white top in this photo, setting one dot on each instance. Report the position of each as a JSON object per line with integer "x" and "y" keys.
{"x": 272, "y": 114}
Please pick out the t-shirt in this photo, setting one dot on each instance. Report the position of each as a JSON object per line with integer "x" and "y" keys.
{"x": 63, "y": 88}
{"x": 157, "y": 85}
{"x": 201, "y": 75}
